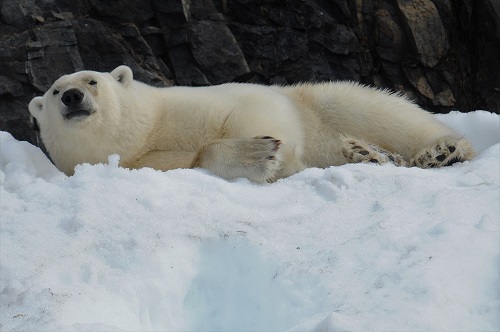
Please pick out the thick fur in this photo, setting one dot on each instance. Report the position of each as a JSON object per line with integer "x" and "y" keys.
{"x": 236, "y": 130}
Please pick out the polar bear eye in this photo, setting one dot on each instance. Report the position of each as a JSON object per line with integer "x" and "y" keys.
{"x": 92, "y": 82}
{"x": 55, "y": 92}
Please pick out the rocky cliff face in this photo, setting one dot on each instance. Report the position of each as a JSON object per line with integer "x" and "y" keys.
{"x": 442, "y": 53}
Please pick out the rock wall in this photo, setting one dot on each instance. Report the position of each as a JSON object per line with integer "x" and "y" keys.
{"x": 442, "y": 53}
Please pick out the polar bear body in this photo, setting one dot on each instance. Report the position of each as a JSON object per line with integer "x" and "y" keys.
{"x": 236, "y": 130}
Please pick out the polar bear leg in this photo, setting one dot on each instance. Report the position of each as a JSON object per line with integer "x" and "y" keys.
{"x": 357, "y": 151}
{"x": 445, "y": 152}
{"x": 258, "y": 159}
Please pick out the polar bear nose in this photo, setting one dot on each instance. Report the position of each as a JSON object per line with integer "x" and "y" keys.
{"x": 72, "y": 97}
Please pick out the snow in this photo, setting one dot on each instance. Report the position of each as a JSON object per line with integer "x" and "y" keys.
{"x": 350, "y": 248}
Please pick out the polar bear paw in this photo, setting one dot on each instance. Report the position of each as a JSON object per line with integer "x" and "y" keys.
{"x": 261, "y": 158}
{"x": 357, "y": 151}
{"x": 444, "y": 152}
{"x": 258, "y": 159}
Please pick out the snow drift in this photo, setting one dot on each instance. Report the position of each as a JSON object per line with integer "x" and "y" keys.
{"x": 357, "y": 247}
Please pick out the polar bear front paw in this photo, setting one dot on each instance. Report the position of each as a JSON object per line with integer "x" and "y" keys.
{"x": 258, "y": 158}
{"x": 444, "y": 152}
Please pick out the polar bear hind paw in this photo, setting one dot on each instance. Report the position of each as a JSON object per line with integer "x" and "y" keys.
{"x": 445, "y": 152}
{"x": 357, "y": 151}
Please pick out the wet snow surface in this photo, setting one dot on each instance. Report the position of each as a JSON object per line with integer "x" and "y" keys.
{"x": 357, "y": 247}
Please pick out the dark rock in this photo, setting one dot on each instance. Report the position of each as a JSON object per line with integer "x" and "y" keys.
{"x": 14, "y": 17}
{"x": 215, "y": 50}
{"x": 14, "y": 118}
{"x": 130, "y": 11}
{"x": 389, "y": 37}
{"x": 493, "y": 7}
{"x": 445, "y": 98}
{"x": 51, "y": 52}
{"x": 185, "y": 72}
{"x": 426, "y": 28}
{"x": 487, "y": 46}
{"x": 445, "y": 10}
{"x": 103, "y": 49}
{"x": 419, "y": 82}
{"x": 338, "y": 39}
{"x": 10, "y": 87}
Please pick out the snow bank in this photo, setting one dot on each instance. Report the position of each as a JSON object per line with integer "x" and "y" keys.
{"x": 481, "y": 127}
{"x": 357, "y": 247}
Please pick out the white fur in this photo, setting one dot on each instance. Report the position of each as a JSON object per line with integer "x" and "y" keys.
{"x": 225, "y": 128}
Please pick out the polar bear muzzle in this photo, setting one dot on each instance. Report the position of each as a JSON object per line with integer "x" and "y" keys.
{"x": 75, "y": 106}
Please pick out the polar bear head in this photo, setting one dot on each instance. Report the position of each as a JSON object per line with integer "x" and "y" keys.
{"x": 76, "y": 99}
{"x": 82, "y": 116}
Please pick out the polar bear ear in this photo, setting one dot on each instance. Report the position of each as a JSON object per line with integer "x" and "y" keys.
{"x": 123, "y": 75}
{"x": 36, "y": 106}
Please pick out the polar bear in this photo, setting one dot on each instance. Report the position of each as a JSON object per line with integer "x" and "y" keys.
{"x": 236, "y": 130}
